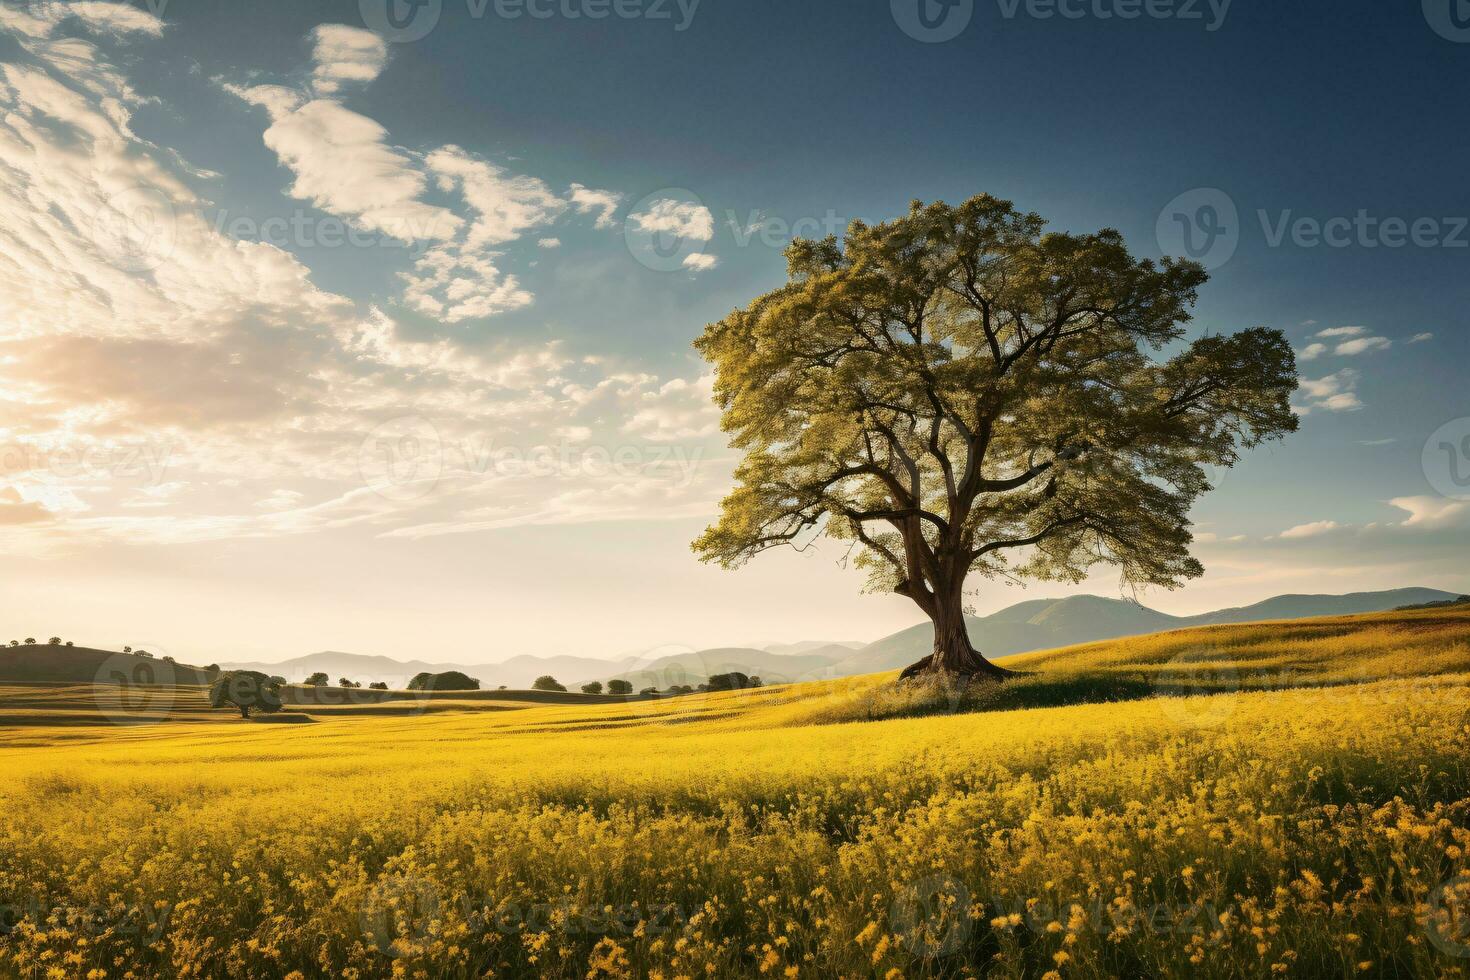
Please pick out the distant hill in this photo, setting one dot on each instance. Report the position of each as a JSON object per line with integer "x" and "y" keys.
{"x": 37, "y": 662}
{"x": 1305, "y": 606}
{"x": 1042, "y": 624}
{"x": 697, "y": 667}
{"x": 1035, "y": 624}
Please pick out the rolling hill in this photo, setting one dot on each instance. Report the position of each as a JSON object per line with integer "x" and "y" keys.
{"x": 1043, "y": 624}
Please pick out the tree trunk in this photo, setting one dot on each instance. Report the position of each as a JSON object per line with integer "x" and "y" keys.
{"x": 953, "y": 653}
{"x": 244, "y": 710}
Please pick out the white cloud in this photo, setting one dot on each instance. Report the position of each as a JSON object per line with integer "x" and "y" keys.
{"x": 1362, "y": 345}
{"x": 1342, "y": 332}
{"x": 681, "y": 219}
{"x": 548, "y": 243}
{"x": 602, "y": 203}
{"x": 1433, "y": 513}
{"x": 129, "y": 319}
{"x": 677, "y": 410}
{"x": 700, "y": 261}
{"x": 344, "y": 165}
{"x": 1311, "y": 352}
{"x": 1312, "y": 530}
{"x": 1334, "y": 393}
{"x": 345, "y": 54}
{"x": 1420, "y": 338}
{"x": 505, "y": 205}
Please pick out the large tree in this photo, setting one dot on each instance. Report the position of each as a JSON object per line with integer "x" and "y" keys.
{"x": 959, "y": 391}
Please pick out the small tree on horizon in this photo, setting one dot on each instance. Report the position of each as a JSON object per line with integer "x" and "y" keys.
{"x": 959, "y": 392}
{"x": 593, "y": 688}
{"x": 318, "y": 679}
{"x": 547, "y": 683}
{"x": 619, "y": 687}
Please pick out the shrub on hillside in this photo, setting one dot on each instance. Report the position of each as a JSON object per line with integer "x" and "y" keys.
{"x": 547, "y": 683}
{"x": 619, "y": 687}
{"x": 449, "y": 680}
{"x": 594, "y": 688}
{"x": 377, "y": 686}
{"x": 319, "y": 679}
{"x": 733, "y": 681}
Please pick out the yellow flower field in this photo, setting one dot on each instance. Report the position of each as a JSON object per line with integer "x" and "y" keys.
{"x": 1312, "y": 826}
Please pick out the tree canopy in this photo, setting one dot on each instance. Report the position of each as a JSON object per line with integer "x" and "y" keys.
{"x": 959, "y": 390}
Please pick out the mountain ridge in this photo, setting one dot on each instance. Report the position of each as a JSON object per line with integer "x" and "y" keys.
{"x": 1032, "y": 624}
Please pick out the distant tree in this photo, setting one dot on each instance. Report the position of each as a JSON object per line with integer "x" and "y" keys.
{"x": 378, "y": 686}
{"x": 755, "y": 682}
{"x": 15, "y": 643}
{"x": 501, "y": 688}
{"x": 30, "y": 641}
{"x": 168, "y": 660}
{"x": 246, "y": 690}
{"x": 594, "y": 688}
{"x": 125, "y": 649}
{"x": 449, "y": 680}
{"x": 733, "y": 681}
{"x": 649, "y": 692}
{"x": 348, "y": 682}
{"x": 318, "y": 679}
{"x": 619, "y": 687}
{"x": 547, "y": 683}
{"x": 278, "y": 680}
{"x": 959, "y": 391}
{"x": 55, "y": 641}
{"x": 143, "y": 653}
{"x": 69, "y": 643}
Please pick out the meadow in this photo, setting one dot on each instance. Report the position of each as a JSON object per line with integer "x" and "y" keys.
{"x": 1278, "y": 799}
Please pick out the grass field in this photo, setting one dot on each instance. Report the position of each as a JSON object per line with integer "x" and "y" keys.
{"x": 1306, "y": 816}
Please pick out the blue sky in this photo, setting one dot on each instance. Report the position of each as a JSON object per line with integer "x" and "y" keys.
{"x": 176, "y": 178}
